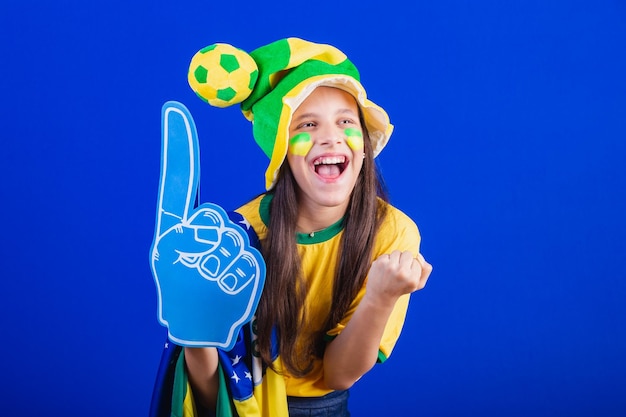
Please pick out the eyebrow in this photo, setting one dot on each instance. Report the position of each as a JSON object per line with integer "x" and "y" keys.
{"x": 314, "y": 115}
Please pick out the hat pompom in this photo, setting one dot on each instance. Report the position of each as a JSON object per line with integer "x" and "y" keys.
{"x": 222, "y": 75}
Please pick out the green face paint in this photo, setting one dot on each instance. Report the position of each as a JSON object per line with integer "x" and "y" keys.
{"x": 354, "y": 137}
{"x": 300, "y": 144}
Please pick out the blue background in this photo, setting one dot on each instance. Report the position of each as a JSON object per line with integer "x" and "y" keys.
{"x": 509, "y": 152}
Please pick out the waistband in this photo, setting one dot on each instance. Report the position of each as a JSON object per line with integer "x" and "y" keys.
{"x": 329, "y": 400}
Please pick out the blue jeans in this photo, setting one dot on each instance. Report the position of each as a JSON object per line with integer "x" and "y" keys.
{"x": 334, "y": 404}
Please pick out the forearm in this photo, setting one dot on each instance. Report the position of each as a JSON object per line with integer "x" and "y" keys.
{"x": 202, "y": 368}
{"x": 355, "y": 350}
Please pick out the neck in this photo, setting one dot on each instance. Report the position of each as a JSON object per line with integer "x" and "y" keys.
{"x": 311, "y": 220}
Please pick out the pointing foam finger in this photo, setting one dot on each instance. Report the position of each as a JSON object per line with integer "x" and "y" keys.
{"x": 179, "y": 164}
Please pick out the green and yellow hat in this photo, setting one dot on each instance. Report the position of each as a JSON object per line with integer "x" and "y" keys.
{"x": 272, "y": 81}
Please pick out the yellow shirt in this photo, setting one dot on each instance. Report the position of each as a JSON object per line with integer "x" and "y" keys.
{"x": 317, "y": 252}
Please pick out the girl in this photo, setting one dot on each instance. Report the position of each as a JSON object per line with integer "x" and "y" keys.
{"x": 340, "y": 260}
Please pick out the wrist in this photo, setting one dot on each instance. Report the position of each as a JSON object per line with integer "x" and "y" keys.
{"x": 377, "y": 303}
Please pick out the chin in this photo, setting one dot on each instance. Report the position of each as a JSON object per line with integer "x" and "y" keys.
{"x": 333, "y": 199}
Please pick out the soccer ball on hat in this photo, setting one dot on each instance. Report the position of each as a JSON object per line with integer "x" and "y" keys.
{"x": 222, "y": 75}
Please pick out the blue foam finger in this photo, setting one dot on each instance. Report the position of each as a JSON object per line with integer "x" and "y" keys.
{"x": 208, "y": 273}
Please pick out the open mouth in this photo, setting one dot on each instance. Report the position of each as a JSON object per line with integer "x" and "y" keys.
{"x": 330, "y": 166}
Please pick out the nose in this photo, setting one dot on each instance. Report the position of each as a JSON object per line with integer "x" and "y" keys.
{"x": 330, "y": 136}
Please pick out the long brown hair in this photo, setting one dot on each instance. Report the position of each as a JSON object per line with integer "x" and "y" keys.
{"x": 282, "y": 302}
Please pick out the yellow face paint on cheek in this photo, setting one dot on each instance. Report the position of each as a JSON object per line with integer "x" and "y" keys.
{"x": 354, "y": 137}
{"x": 300, "y": 144}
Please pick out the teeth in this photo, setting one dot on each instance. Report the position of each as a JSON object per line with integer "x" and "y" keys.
{"x": 330, "y": 160}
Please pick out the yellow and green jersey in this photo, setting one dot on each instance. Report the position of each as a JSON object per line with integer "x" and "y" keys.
{"x": 318, "y": 256}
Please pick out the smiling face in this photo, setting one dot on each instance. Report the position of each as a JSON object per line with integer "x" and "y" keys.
{"x": 325, "y": 153}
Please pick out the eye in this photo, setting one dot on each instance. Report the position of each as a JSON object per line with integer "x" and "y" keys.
{"x": 346, "y": 122}
{"x": 306, "y": 125}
